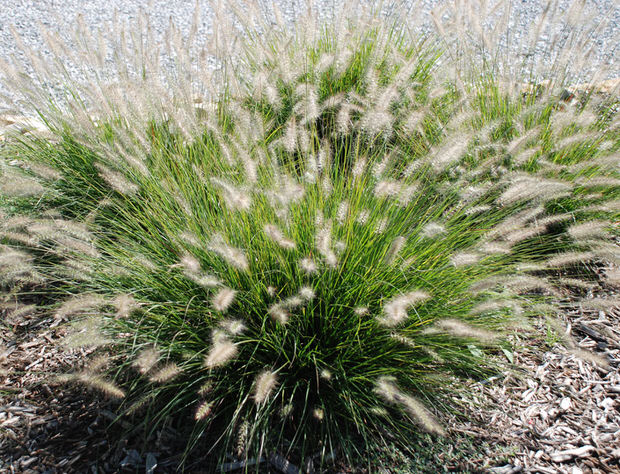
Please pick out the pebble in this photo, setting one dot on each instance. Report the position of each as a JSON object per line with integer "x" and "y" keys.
{"x": 61, "y": 15}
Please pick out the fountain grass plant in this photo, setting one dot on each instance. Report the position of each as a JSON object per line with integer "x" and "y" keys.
{"x": 307, "y": 246}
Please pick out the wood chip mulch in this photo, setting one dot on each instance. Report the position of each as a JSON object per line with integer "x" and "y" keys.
{"x": 558, "y": 411}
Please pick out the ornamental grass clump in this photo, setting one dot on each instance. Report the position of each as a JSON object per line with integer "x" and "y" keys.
{"x": 300, "y": 236}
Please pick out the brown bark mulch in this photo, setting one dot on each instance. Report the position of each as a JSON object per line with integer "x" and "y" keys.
{"x": 556, "y": 411}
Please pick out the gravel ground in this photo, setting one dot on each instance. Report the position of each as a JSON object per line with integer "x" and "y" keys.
{"x": 27, "y": 15}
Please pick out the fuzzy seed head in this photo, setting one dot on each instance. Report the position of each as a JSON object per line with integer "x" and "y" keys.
{"x": 395, "y": 310}
{"x": 461, "y": 329}
{"x": 323, "y": 244}
{"x": 278, "y": 313}
{"x": 591, "y": 229}
{"x": 234, "y": 198}
{"x": 265, "y": 383}
{"x": 231, "y": 255}
{"x": 125, "y": 305}
{"x": 363, "y": 216}
{"x": 308, "y": 265}
{"x": 204, "y": 410}
{"x": 223, "y": 299}
{"x": 306, "y": 293}
{"x": 146, "y": 360}
{"x": 190, "y": 264}
{"x": 395, "y": 248}
{"x": 79, "y": 304}
{"x": 117, "y": 180}
{"x": 233, "y": 326}
{"x": 464, "y": 258}
{"x": 165, "y": 373}
{"x": 277, "y": 236}
{"x": 222, "y": 351}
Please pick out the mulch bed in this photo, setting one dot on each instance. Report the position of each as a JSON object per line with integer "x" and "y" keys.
{"x": 557, "y": 411}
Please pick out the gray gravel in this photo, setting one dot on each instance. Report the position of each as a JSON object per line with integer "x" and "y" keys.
{"x": 61, "y": 15}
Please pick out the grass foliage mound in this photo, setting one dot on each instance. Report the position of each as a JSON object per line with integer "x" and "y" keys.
{"x": 302, "y": 238}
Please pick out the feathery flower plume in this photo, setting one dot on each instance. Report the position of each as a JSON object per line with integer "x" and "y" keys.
{"x": 607, "y": 251}
{"x": 19, "y": 186}
{"x": 233, "y": 326}
{"x": 223, "y": 299}
{"x": 589, "y": 356}
{"x": 432, "y": 229}
{"x": 306, "y": 293}
{"x": 308, "y": 265}
{"x": 569, "y": 258}
{"x": 385, "y": 189}
{"x": 497, "y": 305}
{"x": 146, "y": 360}
{"x": 361, "y": 310}
{"x": 204, "y": 410}
{"x": 73, "y": 245}
{"x": 461, "y": 329}
{"x": 379, "y": 168}
{"x": 343, "y": 118}
{"x": 363, "y": 216}
{"x": 518, "y": 142}
{"x": 525, "y": 187}
{"x": 596, "y": 229}
{"x": 524, "y": 283}
{"x": 395, "y": 248}
{"x": 221, "y": 352}
{"x": 277, "y": 236}
{"x": 87, "y": 332}
{"x": 45, "y": 172}
{"x": 20, "y": 237}
{"x": 17, "y": 312}
{"x": 386, "y": 388}
{"x": 420, "y": 413}
{"x": 413, "y": 122}
{"x": 265, "y": 384}
{"x": 612, "y": 276}
{"x": 494, "y": 248}
{"x": 395, "y": 310}
{"x": 191, "y": 264}
{"x": 97, "y": 382}
{"x": 377, "y": 121}
{"x": 343, "y": 211}
{"x": 79, "y": 304}
{"x": 125, "y": 305}
{"x": 576, "y": 283}
{"x": 464, "y": 258}
{"x": 165, "y": 373}
{"x": 381, "y": 226}
{"x": 117, "y": 180}
{"x": 278, "y": 313}
{"x": 525, "y": 156}
{"x": 449, "y": 153}
{"x": 233, "y": 256}
{"x": 524, "y": 233}
{"x": 323, "y": 244}
{"x": 289, "y": 139}
{"x": 326, "y": 374}
{"x": 234, "y": 198}
{"x": 404, "y": 340}
{"x": 470, "y": 211}
{"x": 598, "y": 181}
{"x": 359, "y": 167}
{"x": 600, "y": 303}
